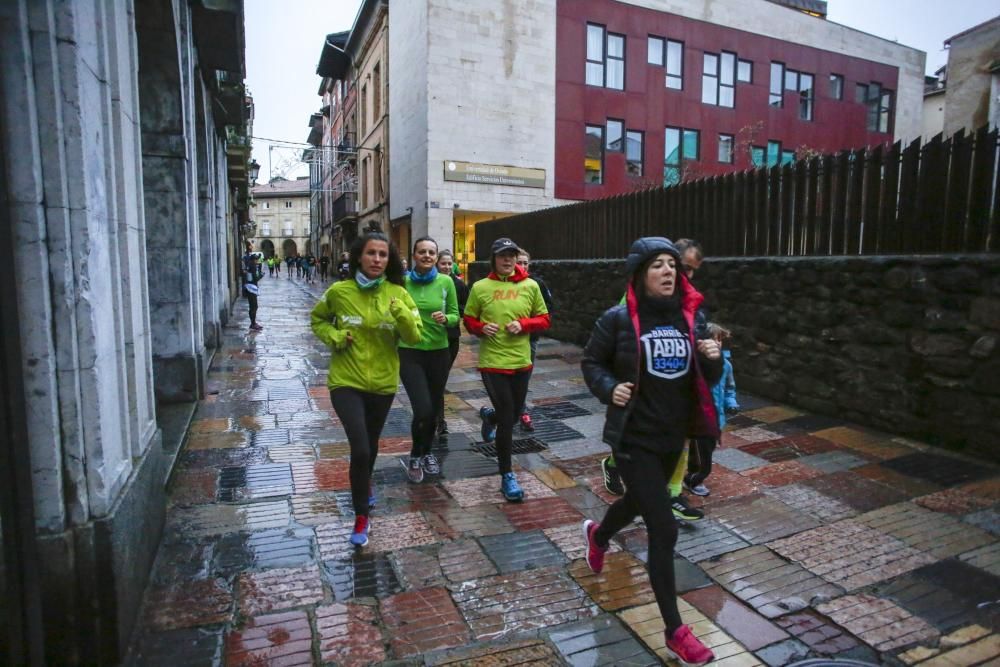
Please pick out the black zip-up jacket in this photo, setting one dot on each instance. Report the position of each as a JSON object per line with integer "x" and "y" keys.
{"x": 612, "y": 357}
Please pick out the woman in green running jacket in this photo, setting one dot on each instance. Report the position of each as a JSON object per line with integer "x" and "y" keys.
{"x": 424, "y": 366}
{"x": 362, "y": 320}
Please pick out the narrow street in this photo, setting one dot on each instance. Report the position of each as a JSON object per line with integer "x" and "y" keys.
{"x": 821, "y": 538}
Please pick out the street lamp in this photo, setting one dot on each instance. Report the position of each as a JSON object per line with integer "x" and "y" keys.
{"x": 254, "y": 171}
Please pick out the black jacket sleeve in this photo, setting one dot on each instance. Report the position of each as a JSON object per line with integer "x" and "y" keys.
{"x": 599, "y": 354}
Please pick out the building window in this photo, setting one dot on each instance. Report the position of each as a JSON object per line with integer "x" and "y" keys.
{"x": 593, "y": 162}
{"x": 377, "y": 175}
{"x": 861, "y": 93}
{"x": 365, "y": 169}
{"x": 680, "y": 147}
{"x": 757, "y": 156}
{"x": 613, "y": 137}
{"x": 836, "y": 87}
{"x": 744, "y": 71}
{"x": 265, "y": 229}
{"x": 675, "y": 65}
{"x": 376, "y": 91}
{"x": 363, "y": 109}
{"x": 878, "y": 101}
{"x": 289, "y": 204}
{"x": 267, "y": 204}
{"x": 806, "y": 96}
{"x": 718, "y": 79}
{"x": 726, "y": 148}
{"x": 605, "y": 58}
{"x": 776, "y": 96}
{"x": 633, "y": 153}
{"x": 773, "y": 153}
{"x": 787, "y": 157}
{"x": 654, "y": 51}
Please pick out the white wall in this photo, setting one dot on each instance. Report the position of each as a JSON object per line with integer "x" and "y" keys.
{"x": 492, "y": 73}
{"x": 408, "y": 113}
{"x": 933, "y": 121}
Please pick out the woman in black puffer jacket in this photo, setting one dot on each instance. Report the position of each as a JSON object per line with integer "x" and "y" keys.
{"x": 643, "y": 360}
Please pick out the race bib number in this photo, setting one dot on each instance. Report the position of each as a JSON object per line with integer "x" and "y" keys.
{"x": 668, "y": 353}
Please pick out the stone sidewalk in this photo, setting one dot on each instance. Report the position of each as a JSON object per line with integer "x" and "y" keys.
{"x": 821, "y": 538}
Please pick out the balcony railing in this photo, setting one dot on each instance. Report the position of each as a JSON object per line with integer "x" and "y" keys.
{"x": 288, "y": 231}
{"x": 345, "y": 206}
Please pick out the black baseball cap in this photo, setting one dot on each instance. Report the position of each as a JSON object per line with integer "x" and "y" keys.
{"x": 503, "y": 244}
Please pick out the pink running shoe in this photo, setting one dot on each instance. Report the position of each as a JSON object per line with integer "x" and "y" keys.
{"x": 595, "y": 554}
{"x": 687, "y": 649}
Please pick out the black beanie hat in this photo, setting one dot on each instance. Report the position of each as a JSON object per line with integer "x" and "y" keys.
{"x": 647, "y": 247}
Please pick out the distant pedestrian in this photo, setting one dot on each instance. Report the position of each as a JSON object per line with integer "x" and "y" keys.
{"x": 252, "y": 273}
{"x": 524, "y": 261}
{"x": 361, "y": 320}
{"x": 277, "y": 266}
{"x": 445, "y": 265}
{"x": 644, "y": 362}
{"x": 324, "y": 267}
{"x": 290, "y": 264}
{"x": 724, "y": 396}
{"x": 502, "y": 310}
{"x": 424, "y": 366}
{"x": 343, "y": 267}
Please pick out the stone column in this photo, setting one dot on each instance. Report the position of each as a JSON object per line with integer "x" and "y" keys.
{"x": 170, "y": 197}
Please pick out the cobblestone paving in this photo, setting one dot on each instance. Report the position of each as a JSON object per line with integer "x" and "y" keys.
{"x": 822, "y": 538}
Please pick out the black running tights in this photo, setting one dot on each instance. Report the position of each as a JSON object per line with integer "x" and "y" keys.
{"x": 646, "y": 475}
{"x": 424, "y": 374}
{"x": 507, "y": 393}
{"x": 363, "y": 415}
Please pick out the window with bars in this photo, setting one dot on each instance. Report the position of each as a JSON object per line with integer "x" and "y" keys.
{"x": 605, "y": 58}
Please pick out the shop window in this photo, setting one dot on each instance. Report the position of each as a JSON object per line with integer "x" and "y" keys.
{"x": 593, "y": 162}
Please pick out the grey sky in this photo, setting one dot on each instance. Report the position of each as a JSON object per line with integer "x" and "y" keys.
{"x": 284, "y": 40}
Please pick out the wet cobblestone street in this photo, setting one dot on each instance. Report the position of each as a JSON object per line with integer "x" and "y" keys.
{"x": 821, "y": 538}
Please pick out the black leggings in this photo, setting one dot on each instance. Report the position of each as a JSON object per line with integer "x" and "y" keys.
{"x": 646, "y": 476}
{"x": 424, "y": 374}
{"x": 363, "y": 415}
{"x": 507, "y": 393}
{"x": 252, "y": 300}
{"x": 700, "y": 460}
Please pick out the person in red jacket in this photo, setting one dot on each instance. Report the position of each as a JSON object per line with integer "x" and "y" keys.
{"x": 503, "y": 309}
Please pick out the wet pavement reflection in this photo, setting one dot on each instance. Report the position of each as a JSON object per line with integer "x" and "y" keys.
{"x": 821, "y": 538}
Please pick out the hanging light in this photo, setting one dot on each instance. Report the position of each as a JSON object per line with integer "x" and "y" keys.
{"x": 254, "y": 171}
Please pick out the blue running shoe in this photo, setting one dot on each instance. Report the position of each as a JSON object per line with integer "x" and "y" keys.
{"x": 489, "y": 428}
{"x": 510, "y": 488}
{"x": 359, "y": 537}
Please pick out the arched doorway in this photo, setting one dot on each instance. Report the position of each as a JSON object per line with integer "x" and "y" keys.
{"x": 309, "y": 248}
{"x": 267, "y": 247}
{"x": 289, "y": 249}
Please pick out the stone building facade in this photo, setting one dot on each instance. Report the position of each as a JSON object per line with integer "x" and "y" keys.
{"x": 123, "y": 189}
{"x": 281, "y": 212}
{"x": 490, "y": 102}
{"x": 354, "y": 131}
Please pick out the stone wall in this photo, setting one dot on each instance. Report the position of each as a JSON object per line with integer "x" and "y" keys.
{"x": 904, "y": 344}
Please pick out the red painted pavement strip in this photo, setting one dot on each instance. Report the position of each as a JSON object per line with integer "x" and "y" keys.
{"x": 423, "y": 621}
{"x": 284, "y": 639}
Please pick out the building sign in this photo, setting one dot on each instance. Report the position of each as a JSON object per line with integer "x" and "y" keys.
{"x": 493, "y": 174}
